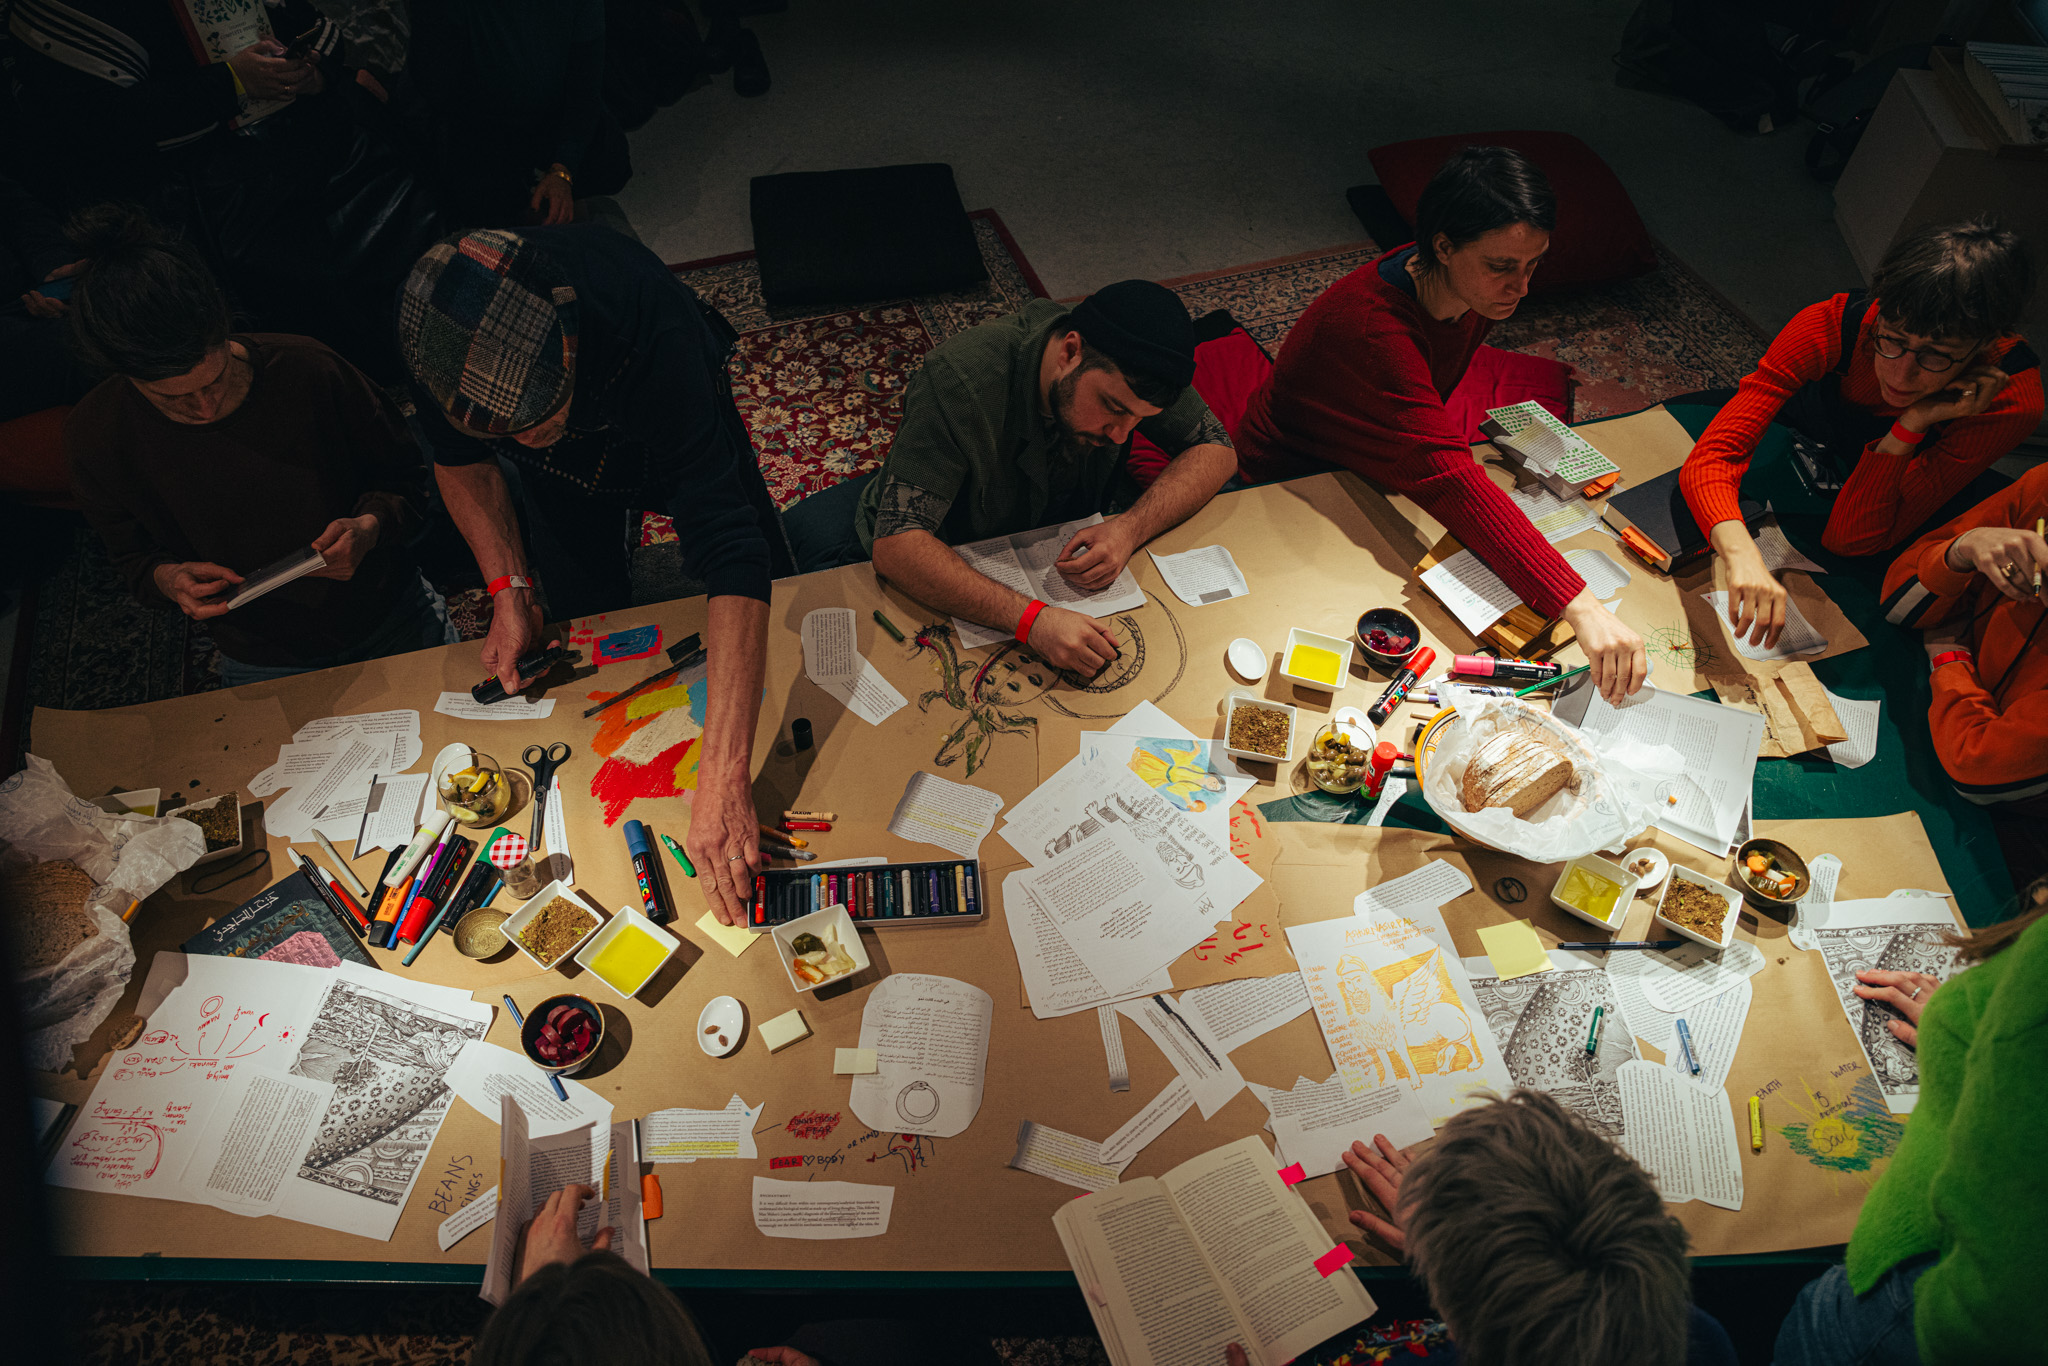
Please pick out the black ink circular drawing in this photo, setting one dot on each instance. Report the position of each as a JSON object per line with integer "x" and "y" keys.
{"x": 1154, "y": 662}
{"x": 917, "y": 1103}
{"x": 1510, "y": 890}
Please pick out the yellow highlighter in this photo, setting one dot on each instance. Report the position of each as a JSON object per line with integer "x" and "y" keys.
{"x": 1756, "y": 1125}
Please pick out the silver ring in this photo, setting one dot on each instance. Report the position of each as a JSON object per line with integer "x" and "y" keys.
{"x": 1916, "y": 993}
{"x": 736, "y": 858}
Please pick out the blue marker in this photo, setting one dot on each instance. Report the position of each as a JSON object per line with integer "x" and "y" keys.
{"x": 1685, "y": 1042}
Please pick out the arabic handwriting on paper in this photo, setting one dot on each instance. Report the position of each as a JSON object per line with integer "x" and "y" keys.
{"x": 930, "y": 1038}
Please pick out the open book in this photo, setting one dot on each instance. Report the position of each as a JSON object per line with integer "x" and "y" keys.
{"x": 532, "y": 1169}
{"x": 1216, "y": 1251}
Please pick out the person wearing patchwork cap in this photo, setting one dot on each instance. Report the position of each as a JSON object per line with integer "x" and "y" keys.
{"x": 570, "y": 365}
{"x": 1021, "y": 423}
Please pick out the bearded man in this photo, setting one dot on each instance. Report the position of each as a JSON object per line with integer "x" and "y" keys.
{"x": 1023, "y": 423}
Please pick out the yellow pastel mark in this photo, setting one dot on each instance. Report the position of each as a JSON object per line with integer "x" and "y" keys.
{"x": 734, "y": 939}
{"x": 1514, "y": 949}
{"x": 661, "y": 699}
{"x": 1312, "y": 661}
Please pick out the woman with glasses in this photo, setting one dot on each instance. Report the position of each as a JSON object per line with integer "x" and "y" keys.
{"x": 1912, "y": 392}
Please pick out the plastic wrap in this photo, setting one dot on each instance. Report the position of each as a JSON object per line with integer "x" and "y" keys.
{"x": 128, "y": 857}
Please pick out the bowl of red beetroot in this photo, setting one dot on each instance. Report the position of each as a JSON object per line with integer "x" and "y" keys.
{"x": 563, "y": 1033}
{"x": 1387, "y": 636}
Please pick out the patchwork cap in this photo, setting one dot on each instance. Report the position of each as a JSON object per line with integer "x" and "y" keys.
{"x": 487, "y": 325}
{"x": 1141, "y": 326}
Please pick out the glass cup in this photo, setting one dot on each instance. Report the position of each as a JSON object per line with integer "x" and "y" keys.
{"x": 479, "y": 794}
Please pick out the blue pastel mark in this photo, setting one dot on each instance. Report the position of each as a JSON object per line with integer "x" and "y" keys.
{"x": 637, "y": 643}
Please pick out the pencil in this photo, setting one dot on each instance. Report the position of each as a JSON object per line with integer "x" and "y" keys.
{"x": 2040, "y": 529}
{"x": 1552, "y": 682}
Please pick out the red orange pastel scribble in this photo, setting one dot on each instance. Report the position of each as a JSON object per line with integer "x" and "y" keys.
{"x": 673, "y": 772}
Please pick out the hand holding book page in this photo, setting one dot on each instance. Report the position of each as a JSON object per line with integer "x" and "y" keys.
{"x": 930, "y": 1036}
{"x": 277, "y": 574}
{"x": 1026, "y": 562}
{"x": 1177, "y": 1267}
{"x": 534, "y": 1169}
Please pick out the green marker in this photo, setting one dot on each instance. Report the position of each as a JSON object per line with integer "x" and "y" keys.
{"x": 681, "y": 857}
{"x": 1551, "y": 682}
{"x": 1593, "y": 1035}
{"x": 888, "y": 625}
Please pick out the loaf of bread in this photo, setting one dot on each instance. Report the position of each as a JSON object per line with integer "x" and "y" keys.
{"x": 45, "y": 916}
{"x": 1517, "y": 768}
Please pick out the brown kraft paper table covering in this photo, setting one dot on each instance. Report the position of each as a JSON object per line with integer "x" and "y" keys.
{"x": 1315, "y": 551}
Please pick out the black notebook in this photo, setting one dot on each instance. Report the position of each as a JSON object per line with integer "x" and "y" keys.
{"x": 1658, "y": 528}
{"x": 289, "y": 922}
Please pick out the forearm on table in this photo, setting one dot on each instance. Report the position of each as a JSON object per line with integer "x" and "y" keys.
{"x": 1486, "y": 521}
{"x": 931, "y": 571}
{"x": 736, "y": 652}
{"x": 481, "y": 507}
{"x": 1187, "y": 483}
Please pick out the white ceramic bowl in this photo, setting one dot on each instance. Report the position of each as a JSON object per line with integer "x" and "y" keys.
{"x": 832, "y": 923}
{"x": 1593, "y": 863}
{"x": 627, "y": 921}
{"x": 530, "y": 912}
{"x": 1247, "y": 658}
{"x": 722, "y": 1015}
{"x": 1656, "y": 874}
{"x": 1317, "y": 640}
{"x": 1238, "y": 697}
{"x": 1681, "y": 873}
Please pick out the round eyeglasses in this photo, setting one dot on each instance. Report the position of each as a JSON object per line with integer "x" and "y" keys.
{"x": 1928, "y": 359}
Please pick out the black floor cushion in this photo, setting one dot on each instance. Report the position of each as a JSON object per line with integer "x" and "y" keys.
{"x": 888, "y": 232}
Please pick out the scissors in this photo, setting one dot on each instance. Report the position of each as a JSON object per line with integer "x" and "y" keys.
{"x": 542, "y": 761}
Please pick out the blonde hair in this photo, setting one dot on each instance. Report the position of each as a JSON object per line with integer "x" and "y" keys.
{"x": 1976, "y": 945}
{"x": 1540, "y": 1242}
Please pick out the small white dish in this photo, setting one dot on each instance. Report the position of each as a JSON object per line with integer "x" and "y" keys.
{"x": 627, "y": 921}
{"x": 141, "y": 802}
{"x": 1356, "y": 727}
{"x": 528, "y": 913}
{"x": 1681, "y": 873}
{"x": 832, "y": 924}
{"x": 447, "y": 761}
{"x": 1247, "y": 659}
{"x": 1659, "y": 866}
{"x": 1599, "y": 867}
{"x": 1238, "y": 697}
{"x": 722, "y": 1019}
{"x": 1297, "y": 638}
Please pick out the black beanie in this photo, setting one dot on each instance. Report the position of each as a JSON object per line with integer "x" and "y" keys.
{"x": 1141, "y": 326}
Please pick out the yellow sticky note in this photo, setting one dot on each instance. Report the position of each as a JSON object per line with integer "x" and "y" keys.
{"x": 1514, "y": 949}
{"x": 853, "y": 1062}
{"x": 734, "y": 939}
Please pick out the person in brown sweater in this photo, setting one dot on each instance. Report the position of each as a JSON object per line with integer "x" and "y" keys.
{"x": 207, "y": 455}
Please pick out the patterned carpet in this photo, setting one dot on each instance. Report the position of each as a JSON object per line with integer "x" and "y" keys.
{"x": 820, "y": 391}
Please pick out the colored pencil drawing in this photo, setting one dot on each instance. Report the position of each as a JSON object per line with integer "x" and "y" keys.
{"x": 1181, "y": 771}
{"x": 1002, "y": 681}
{"x": 1436, "y": 1030}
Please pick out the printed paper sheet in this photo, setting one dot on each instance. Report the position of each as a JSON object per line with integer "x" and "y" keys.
{"x": 930, "y": 1038}
{"x": 1200, "y": 577}
{"x": 1027, "y": 562}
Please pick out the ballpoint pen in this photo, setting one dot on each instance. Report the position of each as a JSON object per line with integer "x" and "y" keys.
{"x": 560, "y": 1093}
{"x": 355, "y": 884}
{"x": 1605, "y": 944}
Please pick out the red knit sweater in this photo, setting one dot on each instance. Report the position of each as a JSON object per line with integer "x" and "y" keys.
{"x": 1361, "y": 383}
{"x": 1993, "y": 745}
{"x": 1885, "y": 496}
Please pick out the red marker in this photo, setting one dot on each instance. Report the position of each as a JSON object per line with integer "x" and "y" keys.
{"x": 760, "y": 898}
{"x": 807, "y": 825}
{"x": 1411, "y": 673}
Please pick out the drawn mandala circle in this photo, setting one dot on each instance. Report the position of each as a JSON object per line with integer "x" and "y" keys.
{"x": 1679, "y": 647}
{"x": 917, "y": 1103}
{"x": 1145, "y": 661}
{"x": 1511, "y": 890}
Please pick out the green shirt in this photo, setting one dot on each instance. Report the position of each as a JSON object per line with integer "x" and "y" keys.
{"x": 1966, "y": 1182}
{"x": 977, "y": 456}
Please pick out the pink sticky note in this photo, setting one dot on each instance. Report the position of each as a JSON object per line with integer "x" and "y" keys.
{"x": 1292, "y": 1176}
{"x": 1335, "y": 1260}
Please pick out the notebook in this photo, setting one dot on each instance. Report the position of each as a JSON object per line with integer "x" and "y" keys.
{"x": 288, "y": 922}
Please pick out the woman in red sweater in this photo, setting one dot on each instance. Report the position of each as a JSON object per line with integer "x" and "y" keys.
{"x": 1361, "y": 383}
{"x": 1913, "y": 393}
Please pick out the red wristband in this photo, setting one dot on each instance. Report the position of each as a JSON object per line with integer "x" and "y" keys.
{"x": 1900, "y": 434}
{"x": 1951, "y": 657}
{"x": 1024, "y": 622}
{"x": 505, "y": 581}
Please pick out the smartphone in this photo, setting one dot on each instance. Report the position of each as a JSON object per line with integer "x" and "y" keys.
{"x": 57, "y": 289}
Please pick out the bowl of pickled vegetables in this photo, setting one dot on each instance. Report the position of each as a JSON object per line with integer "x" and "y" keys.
{"x": 476, "y": 792}
{"x": 820, "y": 948}
{"x": 1769, "y": 873}
{"x": 1339, "y": 758}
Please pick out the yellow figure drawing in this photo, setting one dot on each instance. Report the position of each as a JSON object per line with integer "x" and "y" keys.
{"x": 1372, "y": 1021}
{"x": 1177, "y": 770}
{"x": 1440, "y": 1038}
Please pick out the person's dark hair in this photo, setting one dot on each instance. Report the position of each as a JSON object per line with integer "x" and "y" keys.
{"x": 1967, "y": 280}
{"x": 1160, "y": 393}
{"x": 594, "y": 1311}
{"x": 1976, "y": 945}
{"x": 1541, "y": 1242}
{"x": 145, "y": 305}
{"x": 1478, "y": 191}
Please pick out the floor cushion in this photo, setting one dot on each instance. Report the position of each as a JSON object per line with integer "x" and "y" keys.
{"x": 887, "y": 232}
{"x": 32, "y": 465}
{"x": 1497, "y": 378}
{"x": 1600, "y": 237}
{"x": 1229, "y": 367}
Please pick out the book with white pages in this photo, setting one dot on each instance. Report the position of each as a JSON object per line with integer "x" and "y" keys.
{"x": 277, "y": 574}
{"x": 1177, "y": 1267}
